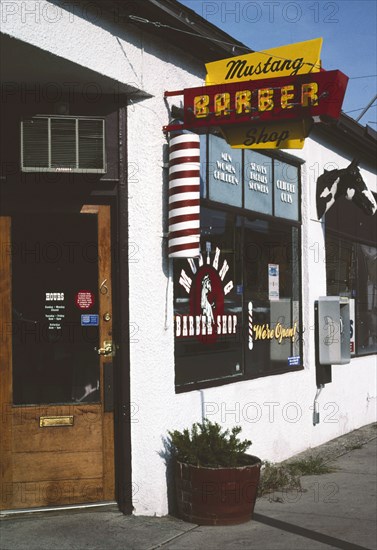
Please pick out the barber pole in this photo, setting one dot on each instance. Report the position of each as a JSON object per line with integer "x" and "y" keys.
{"x": 250, "y": 308}
{"x": 184, "y": 196}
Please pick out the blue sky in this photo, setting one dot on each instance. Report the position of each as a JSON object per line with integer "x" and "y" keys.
{"x": 348, "y": 29}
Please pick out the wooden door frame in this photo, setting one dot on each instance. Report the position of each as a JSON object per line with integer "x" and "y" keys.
{"x": 24, "y": 471}
{"x": 106, "y": 304}
{"x": 5, "y": 353}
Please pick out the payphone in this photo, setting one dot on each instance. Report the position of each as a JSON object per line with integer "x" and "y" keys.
{"x": 333, "y": 332}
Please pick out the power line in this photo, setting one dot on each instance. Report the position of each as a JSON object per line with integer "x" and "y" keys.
{"x": 159, "y": 24}
{"x": 360, "y": 109}
{"x": 163, "y": 25}
{"x": 366, "y": 76}
{"x": 367, "y": 107}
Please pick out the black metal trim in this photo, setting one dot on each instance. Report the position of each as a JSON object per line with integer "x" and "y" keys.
{"x": 323, "y": 373}
{"x": 360, "y": 140}
{"x": 216, "y": 382}
{"x": 122, "y": 393}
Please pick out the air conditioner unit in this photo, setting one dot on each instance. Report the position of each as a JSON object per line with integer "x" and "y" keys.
{"x": 63, "y": 144}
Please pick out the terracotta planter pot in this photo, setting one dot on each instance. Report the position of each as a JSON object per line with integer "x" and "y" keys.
{"x": 217, "y": 496}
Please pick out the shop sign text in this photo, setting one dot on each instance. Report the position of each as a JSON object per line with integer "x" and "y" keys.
{"x": 225, "y": 171}
{"x": 290, "y": 134}
{"x": 207, "y": 286}
{"x": 269, "y": 100}
{"x": 288, "y": 60}
{"x": 55, "y": 310}
{"x": 198, "y": 325}
{"x": 256, "y": 97}
{"x": 264, "y": 332}
{"x": 286, "y": 191}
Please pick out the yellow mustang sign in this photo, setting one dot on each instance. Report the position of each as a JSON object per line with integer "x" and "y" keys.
{"x": 290, "y": 60}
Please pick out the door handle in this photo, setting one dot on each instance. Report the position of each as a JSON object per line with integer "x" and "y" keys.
{"x": 107, "y": 348}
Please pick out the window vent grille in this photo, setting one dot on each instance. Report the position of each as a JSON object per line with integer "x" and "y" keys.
{"x": 63, "y": 144}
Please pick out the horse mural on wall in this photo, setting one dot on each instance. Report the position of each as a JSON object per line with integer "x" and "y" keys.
{"x": 346, "y": 182}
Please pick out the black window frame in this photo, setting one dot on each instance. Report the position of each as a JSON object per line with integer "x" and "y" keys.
{"x": 345, "y": 222}
{"x": 337, "y": 246}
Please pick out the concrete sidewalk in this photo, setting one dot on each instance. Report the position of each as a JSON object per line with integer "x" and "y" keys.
{"x": 336, "y": 510}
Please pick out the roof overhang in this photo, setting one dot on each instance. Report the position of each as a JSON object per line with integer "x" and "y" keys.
{"x": 193, "y": 34}
{"x": 22, "y": 64}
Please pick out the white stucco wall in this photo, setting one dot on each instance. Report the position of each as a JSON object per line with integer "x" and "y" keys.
{"x": 345, "y": 403}
{"x": 275, "y": 411}
{"x": 76, "y": 32}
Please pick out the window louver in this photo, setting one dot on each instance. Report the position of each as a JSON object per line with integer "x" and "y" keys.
{"x": 90, "y": 143}
{"x": 62, "y": 144}
{"x": 35, "y": 135}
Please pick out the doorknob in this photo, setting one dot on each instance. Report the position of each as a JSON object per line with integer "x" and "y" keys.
{"x": 107, "y": 348}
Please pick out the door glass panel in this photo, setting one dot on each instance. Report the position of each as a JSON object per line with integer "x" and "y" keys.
{"x": 55, "y": 309}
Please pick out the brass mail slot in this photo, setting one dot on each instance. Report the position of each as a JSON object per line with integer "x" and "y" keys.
{"x": 50, "y": 421}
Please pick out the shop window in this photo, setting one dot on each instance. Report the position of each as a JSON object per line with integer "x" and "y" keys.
{"x": 225, "y": 166}
{"x": 237, "y": 308}
{"x": 352, "y": 271}
{"x": 208, "y": 305}
{"x": 272, "y": 292}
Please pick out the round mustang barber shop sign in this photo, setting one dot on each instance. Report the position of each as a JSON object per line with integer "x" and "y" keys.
{"x": 207, "y": 289}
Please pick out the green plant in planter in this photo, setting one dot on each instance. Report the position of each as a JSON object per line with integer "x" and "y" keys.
{"x": 216, "y": 481}
{"x": 207, "y": 444}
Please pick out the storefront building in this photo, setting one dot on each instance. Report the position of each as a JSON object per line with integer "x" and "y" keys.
{"x": 107, "y": 343}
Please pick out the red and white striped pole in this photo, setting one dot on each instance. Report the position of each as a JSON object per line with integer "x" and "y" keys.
{"x": 184, "y": 196}
{"x": 250, "y": 310}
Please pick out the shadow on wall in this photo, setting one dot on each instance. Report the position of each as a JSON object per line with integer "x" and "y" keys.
{"x": 167, "y": 455}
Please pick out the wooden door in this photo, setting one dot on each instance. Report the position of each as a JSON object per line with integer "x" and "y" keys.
{"x": 57, "y": 443}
